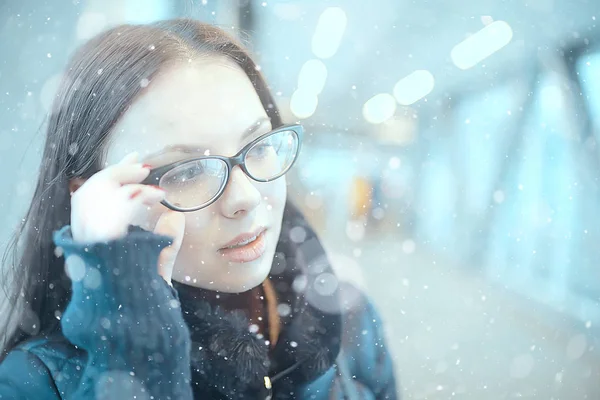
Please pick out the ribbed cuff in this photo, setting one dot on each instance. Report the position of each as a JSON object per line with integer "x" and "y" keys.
{"x": 124, "y": 313}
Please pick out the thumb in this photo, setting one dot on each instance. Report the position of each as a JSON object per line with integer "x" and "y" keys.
{"x": 170, "y": 223}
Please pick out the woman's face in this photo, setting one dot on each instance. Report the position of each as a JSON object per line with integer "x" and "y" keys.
{"x": 191, "y": 108}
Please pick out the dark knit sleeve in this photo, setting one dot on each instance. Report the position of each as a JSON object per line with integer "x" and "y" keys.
{"x": 126, "y": 317}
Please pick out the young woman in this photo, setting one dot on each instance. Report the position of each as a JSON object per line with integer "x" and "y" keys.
{"x": 159, "y": 258}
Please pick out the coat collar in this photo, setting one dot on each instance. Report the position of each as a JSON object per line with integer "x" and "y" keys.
{"x": 234, "y": 361}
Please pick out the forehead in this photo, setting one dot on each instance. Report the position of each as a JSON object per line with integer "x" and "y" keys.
{"x": 207, "y": 103}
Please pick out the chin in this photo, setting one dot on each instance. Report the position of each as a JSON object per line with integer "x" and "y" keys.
{"x": 246, "y": 276}
{"x": 242, "y": 277}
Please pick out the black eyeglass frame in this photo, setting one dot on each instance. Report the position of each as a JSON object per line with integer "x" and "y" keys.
{"x": 239, "y": 159}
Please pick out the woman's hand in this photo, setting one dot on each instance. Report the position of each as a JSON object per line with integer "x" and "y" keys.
{"x": 171, "y": 223}
{"x": 107, "y": 203}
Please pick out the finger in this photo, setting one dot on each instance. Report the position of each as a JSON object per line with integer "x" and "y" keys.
{"x": 126, "y": 173}
{"x": 139, "y": 200}
{"x": 130, "y": 158}
{"x": 142, "y": 194}
{"x": 171, "y": 224}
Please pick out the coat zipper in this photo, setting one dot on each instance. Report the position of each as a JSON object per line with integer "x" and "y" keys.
{"x": 269, "y": 388}
{"x": 269, "y": 381}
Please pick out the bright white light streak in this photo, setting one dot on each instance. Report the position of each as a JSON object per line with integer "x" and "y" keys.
{"x": 379, "y": 108}
{"x": 481, "y": 45}
{"x": 303, "y": 103}
{"x": 414, "y": 87}
{"x": 312, "y": 77}
{"x": 329, "y": 32}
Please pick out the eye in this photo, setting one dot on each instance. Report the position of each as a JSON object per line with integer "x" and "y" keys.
{"x": 268, "y": 146}
{"x": 187, "y": 173}
{"x": 263, "y": 147}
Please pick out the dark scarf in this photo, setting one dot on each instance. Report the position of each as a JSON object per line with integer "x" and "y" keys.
{"x": 230, "y": 362}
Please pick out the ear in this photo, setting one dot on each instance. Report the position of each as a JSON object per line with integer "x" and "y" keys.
{"x": 75, "y": 184}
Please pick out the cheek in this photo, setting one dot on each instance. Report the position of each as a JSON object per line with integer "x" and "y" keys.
{"x": 199, "y": 225}
{"x": 274, "y": 193}
{"x": 200, "y": 219}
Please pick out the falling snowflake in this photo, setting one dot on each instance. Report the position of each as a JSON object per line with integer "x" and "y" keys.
{"x": 284, "y": 309}
{"x": 105, "y": 323}
{"x": 73, "y": 148}
{"x": 326, "y": 284}
{"x": 300, "y": 283}
{"x": 298, "y": 234}
{"x": 355, "y": 230}
{"x": 75, "y": 268}
{"x": 394, "y": 163}
{"x": 58, "y": 251}
{"x": 408, "y": 246}
{"x": 92, "y": 279}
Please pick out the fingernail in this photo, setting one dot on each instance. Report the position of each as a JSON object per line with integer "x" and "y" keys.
{"x": 157, "y": 187}
{"x": 135, "y": 194}
{"x": 147, "y": 166}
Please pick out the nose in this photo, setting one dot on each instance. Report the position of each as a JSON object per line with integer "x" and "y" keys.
{"x": 240, "y": 196}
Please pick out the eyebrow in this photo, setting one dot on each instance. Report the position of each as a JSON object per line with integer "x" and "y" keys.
{"x": 190, "y": 149}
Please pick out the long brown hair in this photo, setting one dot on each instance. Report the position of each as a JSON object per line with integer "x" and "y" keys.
{"x": 101, "y": 81}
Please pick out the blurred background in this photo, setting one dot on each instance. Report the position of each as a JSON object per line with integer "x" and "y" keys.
{"x": 451, "y": 165}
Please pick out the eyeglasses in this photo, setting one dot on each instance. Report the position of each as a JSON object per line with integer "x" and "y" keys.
{"x": 196, "y": 183}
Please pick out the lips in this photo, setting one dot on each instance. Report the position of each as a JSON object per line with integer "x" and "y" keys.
{"x": 246, "y": 247}
{"x": 243, "y": 239}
